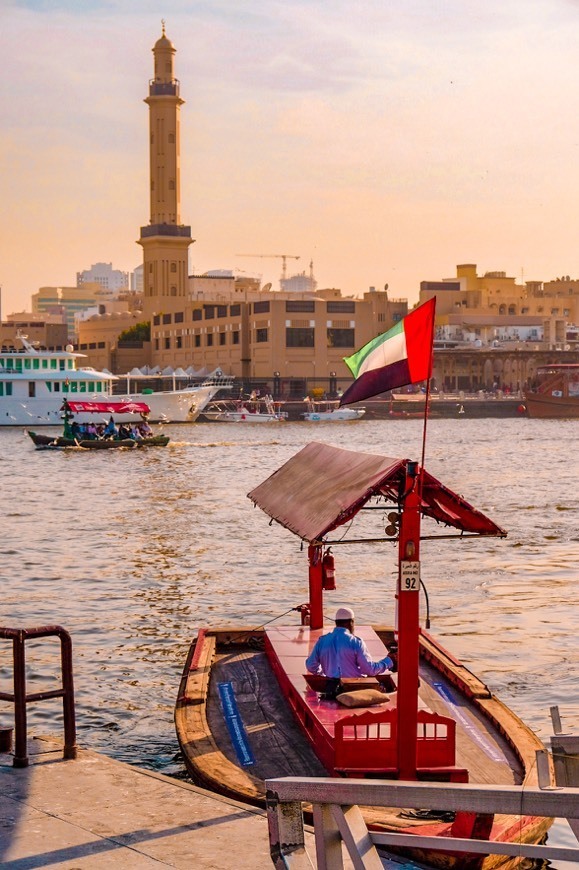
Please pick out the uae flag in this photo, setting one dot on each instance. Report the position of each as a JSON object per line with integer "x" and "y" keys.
{"x": 401, "y": 356}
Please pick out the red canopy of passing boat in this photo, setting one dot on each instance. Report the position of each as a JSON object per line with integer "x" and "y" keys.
{"x": 322, "y": 487}
{"x": 107, "y": 407}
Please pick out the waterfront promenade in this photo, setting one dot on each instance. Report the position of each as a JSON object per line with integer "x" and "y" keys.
{"x": 95, "y": 812}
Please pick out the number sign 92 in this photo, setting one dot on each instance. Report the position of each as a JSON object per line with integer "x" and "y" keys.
{"x": 410, "y": 576}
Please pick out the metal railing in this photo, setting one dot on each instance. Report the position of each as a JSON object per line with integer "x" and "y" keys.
{"x": 20, "y": 698}
{"x": 338, "y": 818}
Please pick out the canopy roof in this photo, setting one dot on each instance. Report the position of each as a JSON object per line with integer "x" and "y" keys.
{"x": 107, "y": 407}
{"x": 322, "y": 487}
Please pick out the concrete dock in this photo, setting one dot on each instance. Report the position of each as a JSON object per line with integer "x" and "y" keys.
{"x": 96, "y": 812}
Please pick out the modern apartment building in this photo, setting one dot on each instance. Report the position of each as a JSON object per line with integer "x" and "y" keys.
{"x": 105, "y": 275}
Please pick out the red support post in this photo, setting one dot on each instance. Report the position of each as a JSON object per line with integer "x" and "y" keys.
{"x": 316, "y": 592}
{"x": 408, "y": 624}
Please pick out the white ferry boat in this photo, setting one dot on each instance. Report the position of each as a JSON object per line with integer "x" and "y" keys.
{"x": 34, "y": 383}
{"x": 330, "y": 412}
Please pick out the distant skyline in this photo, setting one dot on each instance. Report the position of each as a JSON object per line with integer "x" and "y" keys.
{"x": 385, "y": 141}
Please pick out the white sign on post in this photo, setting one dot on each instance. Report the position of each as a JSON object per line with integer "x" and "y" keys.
{"x": 410, "y": 576}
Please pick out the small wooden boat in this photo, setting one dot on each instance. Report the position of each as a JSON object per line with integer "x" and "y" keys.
{"x": 247, "y": 710}
{"x": 48, "y": 442}
{"x": 330, "y": 412}
{"x": 557, "y": 395}
{"x": 113, "y": 439}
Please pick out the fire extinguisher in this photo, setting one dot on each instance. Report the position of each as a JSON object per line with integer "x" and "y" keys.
{"x": 328, "y": 571}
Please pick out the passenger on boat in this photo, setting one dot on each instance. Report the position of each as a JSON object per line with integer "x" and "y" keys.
{"x": 342, "y": 654}
{"x": 110, "y": 428}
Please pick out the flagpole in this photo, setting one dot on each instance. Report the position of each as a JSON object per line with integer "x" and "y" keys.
{"x": 427, "y": 397}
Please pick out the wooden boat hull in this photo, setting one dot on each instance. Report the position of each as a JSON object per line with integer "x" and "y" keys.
{"x": 544, "y": 406}
{"x": 48, "y": 442}
{"x": 280, "y": 747}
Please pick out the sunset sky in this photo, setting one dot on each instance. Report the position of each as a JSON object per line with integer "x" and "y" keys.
{"x": 386, "y": 140}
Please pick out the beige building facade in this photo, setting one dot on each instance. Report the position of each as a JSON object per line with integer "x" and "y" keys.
{"x": 49, "y": 333}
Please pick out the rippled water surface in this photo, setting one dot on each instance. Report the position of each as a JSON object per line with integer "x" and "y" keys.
{"x": 132, "y": 551}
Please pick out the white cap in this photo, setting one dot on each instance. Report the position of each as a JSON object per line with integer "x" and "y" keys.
{"x": 343, "y": 613}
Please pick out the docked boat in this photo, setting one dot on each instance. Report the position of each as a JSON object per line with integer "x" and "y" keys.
{"x": 34, "y": 382}
{"x": 102, "y": 433}
{"x": 253, "y": 410}
{"x": 557, "y": 393}
{"x": 330, "y": 412}
{"x": 247, "y": 710}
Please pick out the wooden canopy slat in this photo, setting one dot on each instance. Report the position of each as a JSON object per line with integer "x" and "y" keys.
{"x": 322, "y": 487}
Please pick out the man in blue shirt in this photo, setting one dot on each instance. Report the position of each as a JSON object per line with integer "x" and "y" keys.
{"x": 342, "y": 654}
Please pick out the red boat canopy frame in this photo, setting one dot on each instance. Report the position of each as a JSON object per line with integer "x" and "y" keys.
{"x": 107, "y": 407}
{"x": 322, "y": 487}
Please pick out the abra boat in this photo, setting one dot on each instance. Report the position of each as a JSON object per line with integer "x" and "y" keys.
{"x": 252, "y": 410}
{"x": 246, "y": 710}
{"x": 101, "y": 437}
{"x": 330, "y": 412}
{"x": 557, "y": 394}
{"x": 34, "y": 382}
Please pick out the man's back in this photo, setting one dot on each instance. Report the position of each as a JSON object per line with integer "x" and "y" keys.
{"x": 342, "y": 654}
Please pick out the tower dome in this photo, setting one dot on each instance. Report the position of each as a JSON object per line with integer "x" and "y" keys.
{"x": 164, "y": 42}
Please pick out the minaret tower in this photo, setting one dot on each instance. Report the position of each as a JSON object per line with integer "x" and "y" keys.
{"x": 165, "y": 241}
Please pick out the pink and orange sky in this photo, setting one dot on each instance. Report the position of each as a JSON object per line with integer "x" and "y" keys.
{"x": 387, "y": 140}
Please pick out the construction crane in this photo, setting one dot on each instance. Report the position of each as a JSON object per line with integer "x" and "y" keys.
{"x": 283, "y": 257}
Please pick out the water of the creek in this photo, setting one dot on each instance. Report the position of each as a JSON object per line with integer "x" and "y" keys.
{"x": 132, "y": 551}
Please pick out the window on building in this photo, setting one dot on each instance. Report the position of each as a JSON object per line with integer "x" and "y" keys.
{"x": 261, "y": 307}
{"x": 222, "y": 338}
{"x": 101, "y": 345}
{"x": 396, "y": 317}
{"x": 166, "y": 318}
{"x": 167, "y": 343}
{"x": 261, "y": 334}
{"x": 235, "y": 337}
{"x": 346, "y": 307}
{"x": 209, "y": 312}
{"x": 179, "y": 341}
{"x": 300, "y": 336}
{"x": 156, "y": 319}
{"x": 340, "y": 337}
{"x": 222, "y": 310}
{"x": 209, "y": 339}
{"x": 171, "y": 138}
{"x": 300, "y": 305}
{"x": 197, "y": 314}
{"x": 173, "y": 290}
{"x": 197, "y": 341}
{"x": 173, "y": 267}
{"x": 179, "y": 317}
{"x": 171, "y": 184}
{"x": 234, "y": 310}
{"x": 156, "y": 344}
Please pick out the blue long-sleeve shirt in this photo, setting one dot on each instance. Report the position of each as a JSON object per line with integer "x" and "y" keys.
{"x": 342, "y": 654}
